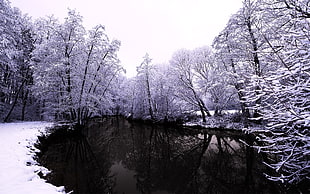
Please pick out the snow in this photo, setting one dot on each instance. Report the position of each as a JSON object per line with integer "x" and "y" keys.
{"x": 18, "y": 169}
{"x": 217, "y": 122}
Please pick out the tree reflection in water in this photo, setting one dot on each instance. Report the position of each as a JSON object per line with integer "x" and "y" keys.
{"x": 117, "y": 156}
{"x": 73, "y": 163}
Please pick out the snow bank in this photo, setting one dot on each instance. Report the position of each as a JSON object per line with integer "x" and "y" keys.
{"x": 18, "y": 170}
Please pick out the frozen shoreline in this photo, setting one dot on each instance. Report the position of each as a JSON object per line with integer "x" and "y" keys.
{"x": 18, "y": 170}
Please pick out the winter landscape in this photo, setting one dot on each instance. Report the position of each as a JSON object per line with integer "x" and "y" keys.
{"x": 229, "y": 117}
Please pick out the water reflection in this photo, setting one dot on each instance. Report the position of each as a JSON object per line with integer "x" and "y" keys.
{"x": 74, "y": 164}
{"x": 115, "y": 156}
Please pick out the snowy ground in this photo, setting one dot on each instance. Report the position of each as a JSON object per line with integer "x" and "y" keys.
{"x": 218, "y": 122}
{"x": 18, "y": 170}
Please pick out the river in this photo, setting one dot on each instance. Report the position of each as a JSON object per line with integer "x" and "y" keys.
{"x": 113, "y": 155}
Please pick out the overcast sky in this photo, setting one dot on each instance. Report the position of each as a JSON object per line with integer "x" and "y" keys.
{"x": 158, "y": 27}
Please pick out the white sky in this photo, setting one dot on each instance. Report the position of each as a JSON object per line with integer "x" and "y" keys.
{"x": 158, "y": 27}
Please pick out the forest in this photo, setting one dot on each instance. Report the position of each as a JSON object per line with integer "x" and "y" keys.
{"x": 258, "y": 64}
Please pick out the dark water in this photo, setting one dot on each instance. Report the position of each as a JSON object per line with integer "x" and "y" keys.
{"x": 115, "y": 156}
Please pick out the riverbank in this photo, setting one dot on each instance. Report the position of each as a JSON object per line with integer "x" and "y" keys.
{"x": 229, "y": 120}
{"x": 19, "y": 172}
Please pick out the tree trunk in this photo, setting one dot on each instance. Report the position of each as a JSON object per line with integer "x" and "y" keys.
{"x": 15, "y": 102}
{"x": 149, "y": 97}
{"x": 203, "y": 115}
{"x": 257, "y": 68}
{"x": 25, "y": 99}
{"x": 202, "y": 106}
{"x": 80, "y": 116}
{"x": 205, "y": 108}
{"x": 238, "y": 86}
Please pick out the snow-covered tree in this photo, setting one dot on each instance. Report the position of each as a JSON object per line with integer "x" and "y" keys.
{"x": 144, "y": 73}
{"x": 74, "y": 70}
{"x": 56, "y": 59}
{"x": 240, "y": 48}
{"x": 100, "y": 70}
{"x": 265, "y": 51}
{"x": 166, "y": 104}
{"x": 286, "y": 91}
{"x": 153, "y": 90}
{"x": 183, "y": 69}
{"x": 211, "y": 80}
{"x": 16, "y": 46}
{"x": 265, "y": 48}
